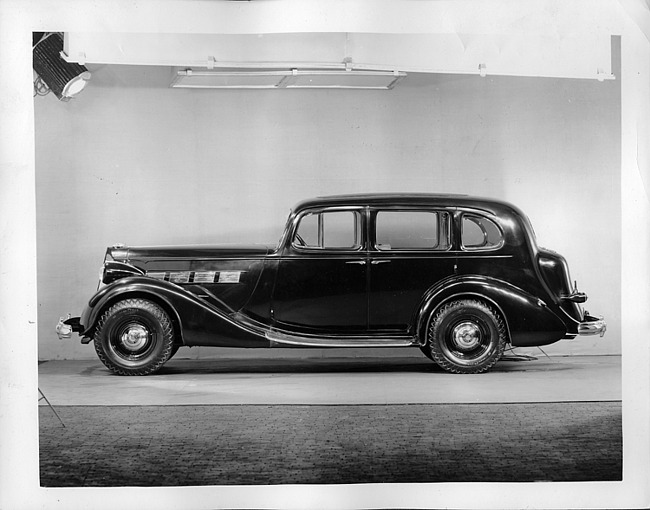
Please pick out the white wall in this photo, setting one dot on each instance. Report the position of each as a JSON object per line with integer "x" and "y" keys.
{"x": 133, "y": 161}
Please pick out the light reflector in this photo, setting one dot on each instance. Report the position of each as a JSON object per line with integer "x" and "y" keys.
{"x": 65, "y": 79}
{"x": 291, "y": 79}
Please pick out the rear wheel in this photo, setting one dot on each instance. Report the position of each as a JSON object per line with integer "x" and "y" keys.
{"x": 134, "y": 337}
{"x": 466, "y": 337}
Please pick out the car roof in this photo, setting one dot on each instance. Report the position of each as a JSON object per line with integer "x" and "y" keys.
{"x": 493, "y": 206}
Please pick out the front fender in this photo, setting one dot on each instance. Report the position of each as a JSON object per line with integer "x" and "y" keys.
{"x": 529, "y": 321}
{"x": 115, "y": 270}
{"x": 199, "y": 322}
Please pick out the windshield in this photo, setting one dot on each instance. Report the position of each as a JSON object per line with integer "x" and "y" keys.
{"x": 286, "y": 230}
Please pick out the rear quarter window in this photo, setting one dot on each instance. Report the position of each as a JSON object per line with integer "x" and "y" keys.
{"x": 480, "y": 233}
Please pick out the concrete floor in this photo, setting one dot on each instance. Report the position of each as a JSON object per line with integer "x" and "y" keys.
{"x": 332, "y": 381}
{"x": 330, "y": 420}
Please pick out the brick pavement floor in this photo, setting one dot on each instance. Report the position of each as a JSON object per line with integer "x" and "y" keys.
{"x": 336, "y": 444}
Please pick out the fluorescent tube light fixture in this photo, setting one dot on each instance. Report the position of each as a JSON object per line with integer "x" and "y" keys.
{"x": 292, "y": 79}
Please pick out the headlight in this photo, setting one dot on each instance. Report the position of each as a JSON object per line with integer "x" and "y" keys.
{"x": 101, "y": 277}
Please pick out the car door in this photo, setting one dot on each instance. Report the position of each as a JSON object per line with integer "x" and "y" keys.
{"x": 410, "y": 252}
{"x": 321, "y": 284}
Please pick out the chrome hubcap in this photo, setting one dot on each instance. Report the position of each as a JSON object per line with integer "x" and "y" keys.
{"x": 466, "y": 336}
{"x": 135, "y": 337}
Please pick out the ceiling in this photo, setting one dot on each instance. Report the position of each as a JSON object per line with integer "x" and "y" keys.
{"x": 551, "y": 38}
{"x": 586, "y": 56}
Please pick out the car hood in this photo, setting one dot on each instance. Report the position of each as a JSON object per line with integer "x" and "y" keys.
{"x": 226, "y": 251}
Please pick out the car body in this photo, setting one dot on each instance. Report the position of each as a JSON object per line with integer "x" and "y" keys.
{"x": 459, "y": 277}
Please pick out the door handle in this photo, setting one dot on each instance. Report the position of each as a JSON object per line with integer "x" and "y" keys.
{"x": 375, "y": 262}
{"x": 359, "y": 262}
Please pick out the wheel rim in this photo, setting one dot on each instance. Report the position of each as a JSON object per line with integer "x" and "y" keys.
{"x": 132, "y": 340}
{"x": 466, "y": 336}
{"x": 468, "y": 342}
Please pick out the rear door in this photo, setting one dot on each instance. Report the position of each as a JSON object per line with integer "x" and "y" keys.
{"x": 409, "y": 253}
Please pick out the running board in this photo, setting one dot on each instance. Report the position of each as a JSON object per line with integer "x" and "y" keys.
{"x": 279, "y": 339}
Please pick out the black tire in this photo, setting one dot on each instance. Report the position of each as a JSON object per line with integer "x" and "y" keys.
{"x": 426, "y": 351}
{"x": 466, "y": 337}
{"x": 174, "y": 351}
{"x": 134, "y": 337}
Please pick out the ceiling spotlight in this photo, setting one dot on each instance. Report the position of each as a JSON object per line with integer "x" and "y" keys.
{"x": 65, "y": 79}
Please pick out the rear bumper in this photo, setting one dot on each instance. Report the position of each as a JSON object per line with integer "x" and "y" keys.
{"x": 592, "y": 326}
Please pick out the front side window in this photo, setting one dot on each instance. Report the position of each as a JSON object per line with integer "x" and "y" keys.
{"x": 329, "y": 230}
{"x": 412, "y": 230}
{"x": 479, "y": 233}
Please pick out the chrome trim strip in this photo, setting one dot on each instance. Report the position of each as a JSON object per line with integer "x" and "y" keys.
{"x": 279, "y": 339}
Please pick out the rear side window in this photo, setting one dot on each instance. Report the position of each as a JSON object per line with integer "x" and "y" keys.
{"x": 412, "y": 230}
{"x": 479, "y": 233}
{"x": 329, "y": 230}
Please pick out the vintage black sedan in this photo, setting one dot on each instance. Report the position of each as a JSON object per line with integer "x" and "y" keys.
{"x": 458, "y": 277}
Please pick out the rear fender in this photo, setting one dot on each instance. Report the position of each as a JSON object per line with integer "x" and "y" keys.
{"x": 528, "y": 320}
{"x": 198, "y": 322}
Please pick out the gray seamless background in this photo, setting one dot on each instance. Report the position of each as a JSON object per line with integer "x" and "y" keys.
{"x": 131, "y": 160}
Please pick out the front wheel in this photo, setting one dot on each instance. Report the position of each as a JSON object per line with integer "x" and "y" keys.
{"x": 466, "y": 337}
{"x": 134, "y": 337}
